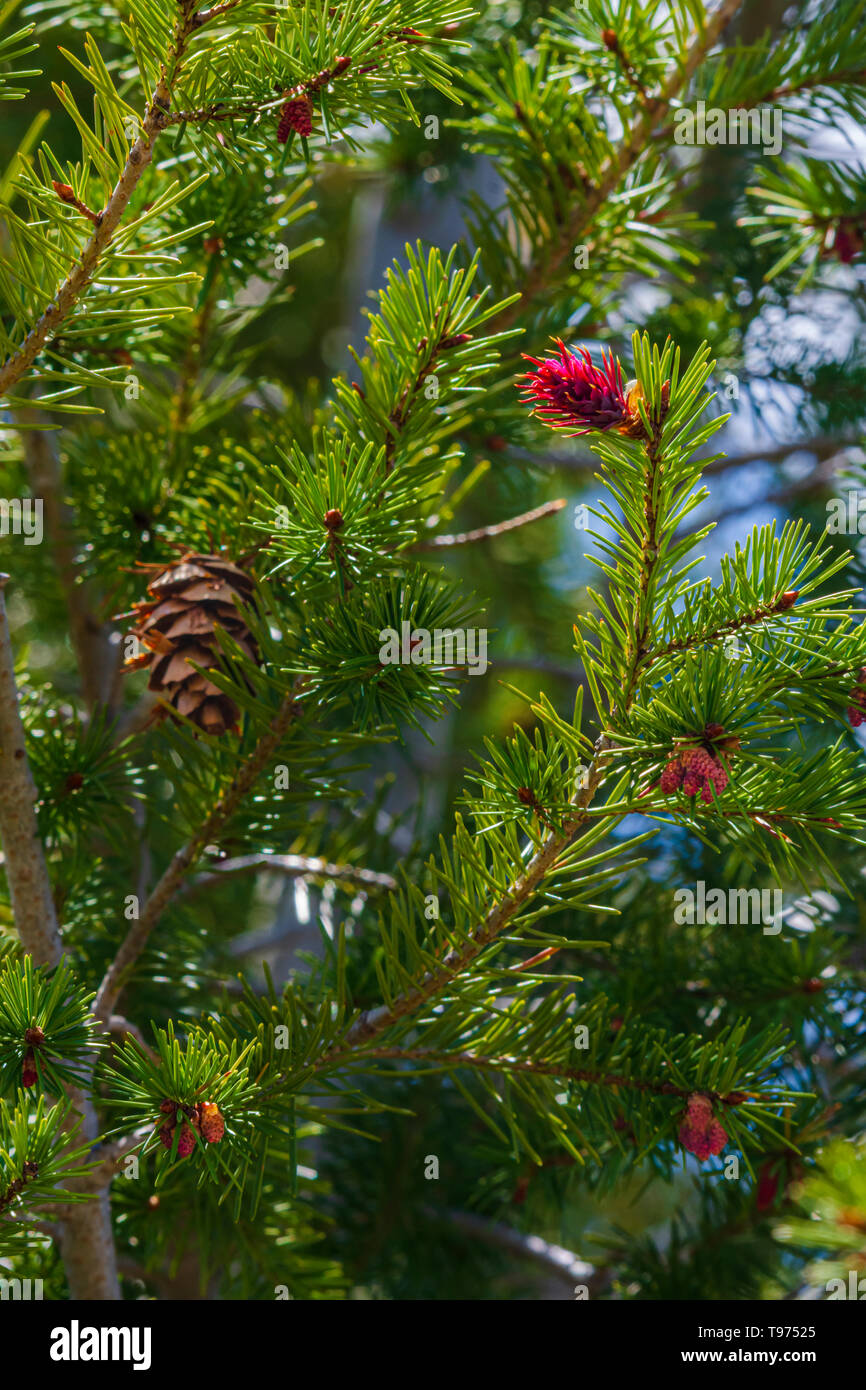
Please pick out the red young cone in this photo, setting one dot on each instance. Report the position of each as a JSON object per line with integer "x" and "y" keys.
{"x": 700, "y": 1132}
{"x": 570, "y": 393}
{"x": 858, "y": 701}
{"x": 297, "y": 116}
{"x": 186, "y": 1142}
{"x": 672, "y": 778}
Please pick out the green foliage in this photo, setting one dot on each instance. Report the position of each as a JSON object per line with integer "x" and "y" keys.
{"x": 37, "y": 1153}
{"x": 12, "y": 47}
{"x": 200, "y": 1070}
{"x": 81, "y": 771}
{"x": 803, "y": 207}
{"x": 828, "y": 1221}
{"x": 54, "y": 1004}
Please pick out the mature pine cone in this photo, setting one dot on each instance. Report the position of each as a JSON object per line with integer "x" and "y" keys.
{"x": 192, "y": 597}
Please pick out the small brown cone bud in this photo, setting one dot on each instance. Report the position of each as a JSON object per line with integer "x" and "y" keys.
{"x": 333, "y": 519}
{"x": 788, "y": 600}
{"x": 34, "y": 1037}
{"x": 211, "y": 1121}
{"x": 633, "y": 428}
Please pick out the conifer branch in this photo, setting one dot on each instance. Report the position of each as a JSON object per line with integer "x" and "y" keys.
{"x": 371, "y": 1023}
{"x": 108, "y": 220}
{"x": 83, "y": 271}
{"x": 754, "y": 617}
{"x": 401, "y": 414}
{"x": 539, "y": 274}
{"x": 186, "y": 857}
{"x": 585, "y": 1075}
{"x": 840, "y": 78}
{"x": 499, "y": 528}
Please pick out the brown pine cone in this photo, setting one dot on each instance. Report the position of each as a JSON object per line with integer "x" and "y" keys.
{"x": 193, "y": 596}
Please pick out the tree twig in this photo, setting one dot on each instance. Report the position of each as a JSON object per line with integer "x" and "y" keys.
{"x": 372, "y": 1022}
{"x": 499, "y": 528}
{"x": 108, "y": 1158}
{"x": 560, "y": 1264}
{"x": 175, "y": 875}
{"x": 529, "y": 1066}
{"x": 291, "y": 865}
{"x": 626, "y": 156}
{"x": 82, "y": 273}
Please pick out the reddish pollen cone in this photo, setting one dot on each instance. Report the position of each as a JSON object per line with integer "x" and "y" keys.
{"x": 700, "y": 1132}
{"x": 296, "y": 115}
{"x": 186, "y": 1142}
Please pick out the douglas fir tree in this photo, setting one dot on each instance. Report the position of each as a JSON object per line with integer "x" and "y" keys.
{"x": 591, "y": 968}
